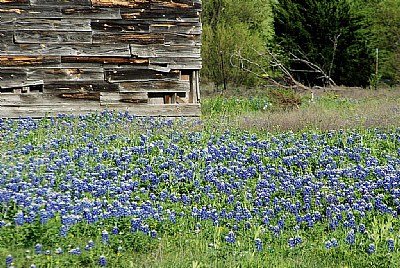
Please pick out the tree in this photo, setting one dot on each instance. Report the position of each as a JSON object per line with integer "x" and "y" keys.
{"x": 381, "y": 23}
{"x": 327, "y": 34}
{"x": 229, "y": 26}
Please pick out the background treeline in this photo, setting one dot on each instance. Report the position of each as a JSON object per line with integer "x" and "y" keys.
{"x": 355, "y": 43}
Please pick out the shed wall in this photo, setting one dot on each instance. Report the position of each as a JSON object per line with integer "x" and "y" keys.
{"x": 79, "y": 56}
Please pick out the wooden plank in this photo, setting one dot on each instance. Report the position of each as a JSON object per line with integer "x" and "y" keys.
{"x": 96, "y": 50}
{"x": 177, "y": 28}
{"x": 122, "y": 3}
{"x": 130, "y": 38}
{"x": 7, "y": 24}
{"x": 105, "y": 60}
{"x": 176, "y": 4}
{"x": 155, "y": 86}
{"x": 6, "y": 37}
{"x": 120, "y": 26}
{"x": 14, "y": 2}
{"x": 28, "y": 60}
{"x": 182, "y": 39}
{"x": 78, "y": 86}
{"x": 12, "y": 77}
{"x": 178, "y": 63}
{"x": 66, "y": 74}
{"x": 38, "y": 99}
{"x": 162, "y": 4}
{"x": 75, "y": 25}
{"x": 90, "y": 13}
{"x": 172, "y": 110}
{"x": 60, "y": 3}
{"x": 108, "y": 98}
{"x": 52, "y": 37}
{"x": 7, "y": 12}
{"x": 151, "y": 51}
{"x": 124, "y": 75}
{"x": 161, "y": 15}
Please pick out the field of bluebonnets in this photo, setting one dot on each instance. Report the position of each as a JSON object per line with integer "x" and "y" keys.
{"x": 111, "y": 189}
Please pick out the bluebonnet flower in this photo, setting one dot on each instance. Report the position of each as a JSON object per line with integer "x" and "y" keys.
{"x": 59, "y": 251}
{"x": 102, "y": 261}
{"x": 115, "y": 230}
{"x": 258, "y": 244}
{"x": 153, "y": 233}
{"x": 38, "y": 249}
{"x": 291, "y": 242}
{"x": 63, "y": 231}
{"x": 350, "y": 238}
{"x": 328, "y": 244}
{"x": 90, "y": 245}
{"x": 390, "y": 244}
{"x": 104, "y": 237}
{"x": 371, "y": 248}
{"x": 75, "y": 251}
{"x": 361, "y": 228}
{"x": 230, "y": 238}
{"x": 33, "y": 266}
{"x": 334, "y": 242}
{"x": 9, "y": 260}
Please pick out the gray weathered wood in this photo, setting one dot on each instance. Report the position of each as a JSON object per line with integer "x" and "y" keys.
{"x": 74, "y": 25}
{"x": 61, "y": 2}
{"x": 127, "y": 74}
{"x": 154, "y": 51}
{"x": 79, "y": 56}
{"x": 129, "y": 38}
{"x": 35, "y": 111}
{"x": 14, "y": 2}
{"x": 110, "y": 98}
{"x": 155, "y": 86}
{"x": 90, "y": 13}
{"x": 52, "y": 37}
{"x": 94, "y": 50}
{"x": 120, "y": 26}
{"x": 66, "y": 74}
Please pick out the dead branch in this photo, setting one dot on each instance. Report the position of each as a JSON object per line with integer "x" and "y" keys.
{"x": 260, "y": 71}
{"x": 246, "y": 64}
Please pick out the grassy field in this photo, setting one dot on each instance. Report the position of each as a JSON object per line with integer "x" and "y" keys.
{"x": 266, "y": 178}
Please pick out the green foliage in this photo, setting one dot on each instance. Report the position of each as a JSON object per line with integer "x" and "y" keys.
{"x": 325, "y": 33}
{"x": 382, "y": 31}
{"x": 230, "y": 26}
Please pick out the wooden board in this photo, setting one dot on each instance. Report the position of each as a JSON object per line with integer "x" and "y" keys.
{"x": 35, "y": 111}
{"x": 120, "y": 26}
{"x": 60, "y": 2}
{"x": 28, "y": 60}
{"x": 129, "y": 38}
{"x": 52, "y": 37}
{"x": 127, "y": 75}
{"x": 14, "y": 2}
{"x": 95, "y": 50}
{"x": 74, "y": 25}
{"x": 66, "y": 74}
{"x": 155, "y": 86}
{"x": 122, "y": 3}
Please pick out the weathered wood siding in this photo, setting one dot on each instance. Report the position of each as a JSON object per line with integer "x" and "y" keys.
{"x": 79, "y": 56}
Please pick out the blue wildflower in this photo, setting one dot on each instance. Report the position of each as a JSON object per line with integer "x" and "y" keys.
{"x": 350, "y": 238}
{"x": 371, "y": 248}
{"x": 9, "y": 260}
{"x": 102, "y": 261}
{"x": 38, "y": 249}
{"x": 104, "y": 237}
{"x": 230, "y": 238}
{"x": 258, "y": 244}
{"x": 390, "y": 244}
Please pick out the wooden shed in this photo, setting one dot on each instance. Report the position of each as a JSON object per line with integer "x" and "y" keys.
{"x": 80, "y": 56}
